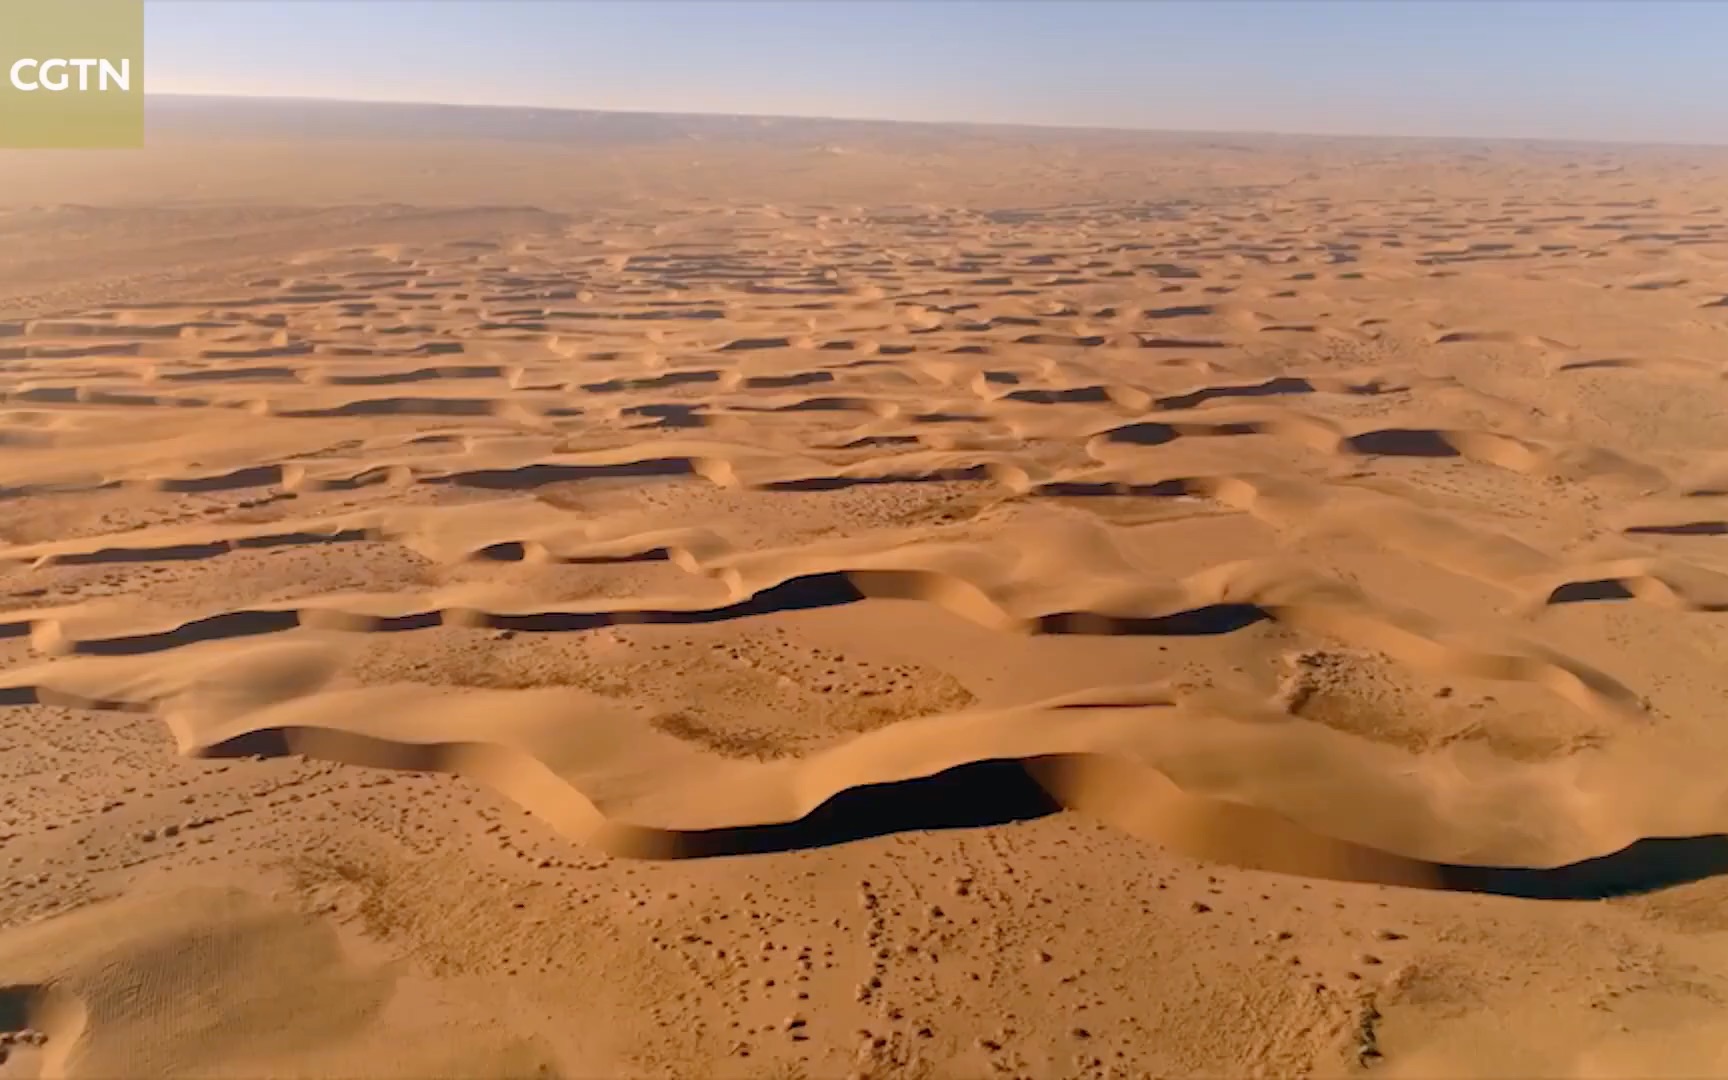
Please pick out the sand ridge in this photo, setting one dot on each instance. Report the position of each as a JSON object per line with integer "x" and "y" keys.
{"x": 1243, "y": 755}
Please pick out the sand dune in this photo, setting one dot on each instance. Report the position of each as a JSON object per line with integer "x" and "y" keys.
{"x": 714, "y": 597}
{"x": 1223, "y": 778}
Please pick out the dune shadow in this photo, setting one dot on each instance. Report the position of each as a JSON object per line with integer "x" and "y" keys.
{"x": 670, "y": 415}
{"x": 393, "y": 378}
{"x": 805, "y": 593}
{"x": 969, "y": 796}
{"x": 1179, "y": 343}
{"x": 1162, "y": 489}
{"x": 232, "y": 374}
{"x": 655, "y": 382}
{"x": 15, "y": 1007}
{"x": 1207, "y": 621}
{"x": 1001, "y": 791}
{"x": 253, "y": 476}
{"x": 1643, "y": 866}
{"x": 1270, "y": 388}
{"x": 398, "y": 407}
{"x": 1080, "y": 395}
{"x": 1574, "y": 592}
{"x": 1403, "y": 442}
{"x": 209, "y": 550}
{"x": 839, "y": 483}
{"x": 531, "y": 476}
{"x": 216, "y": 628}
{"x": 1690, "y": 528}
{"x": 1146, "y": 433}
{"x": 801, "y": 378}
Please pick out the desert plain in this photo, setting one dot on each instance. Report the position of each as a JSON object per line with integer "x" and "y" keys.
{"x": 493, "y": 593}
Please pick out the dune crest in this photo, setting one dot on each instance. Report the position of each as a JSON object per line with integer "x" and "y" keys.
{"x": 1213, "y": 773}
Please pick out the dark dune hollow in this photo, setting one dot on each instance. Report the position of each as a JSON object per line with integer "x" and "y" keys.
{"x": 969, "y": 796}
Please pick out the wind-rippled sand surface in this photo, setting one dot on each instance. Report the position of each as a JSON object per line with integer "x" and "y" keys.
{"x": 586, "y": 596}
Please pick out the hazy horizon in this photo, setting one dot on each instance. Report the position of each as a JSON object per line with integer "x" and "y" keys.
{"x": 1561, "y": 70}
{"x": 264, "y": 99}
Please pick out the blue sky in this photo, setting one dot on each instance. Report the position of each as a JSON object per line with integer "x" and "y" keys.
{"x": 1568, "y": 69}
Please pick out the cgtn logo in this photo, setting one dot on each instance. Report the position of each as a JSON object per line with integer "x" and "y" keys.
{"x": 71, "y": 73}
{"x": 56, "y": 75}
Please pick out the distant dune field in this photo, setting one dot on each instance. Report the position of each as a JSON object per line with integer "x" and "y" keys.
{"x": 514, "y": 592}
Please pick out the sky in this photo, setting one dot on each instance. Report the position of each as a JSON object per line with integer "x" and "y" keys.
{"x": 1628, "y": 70}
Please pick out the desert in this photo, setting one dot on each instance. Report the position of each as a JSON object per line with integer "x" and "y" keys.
{"x": 550, "y": 593}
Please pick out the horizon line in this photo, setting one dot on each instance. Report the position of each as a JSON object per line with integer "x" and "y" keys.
{"x": 1006, "y": 124}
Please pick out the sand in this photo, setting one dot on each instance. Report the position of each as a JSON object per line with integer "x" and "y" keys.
{"x": 491, "y": 593}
